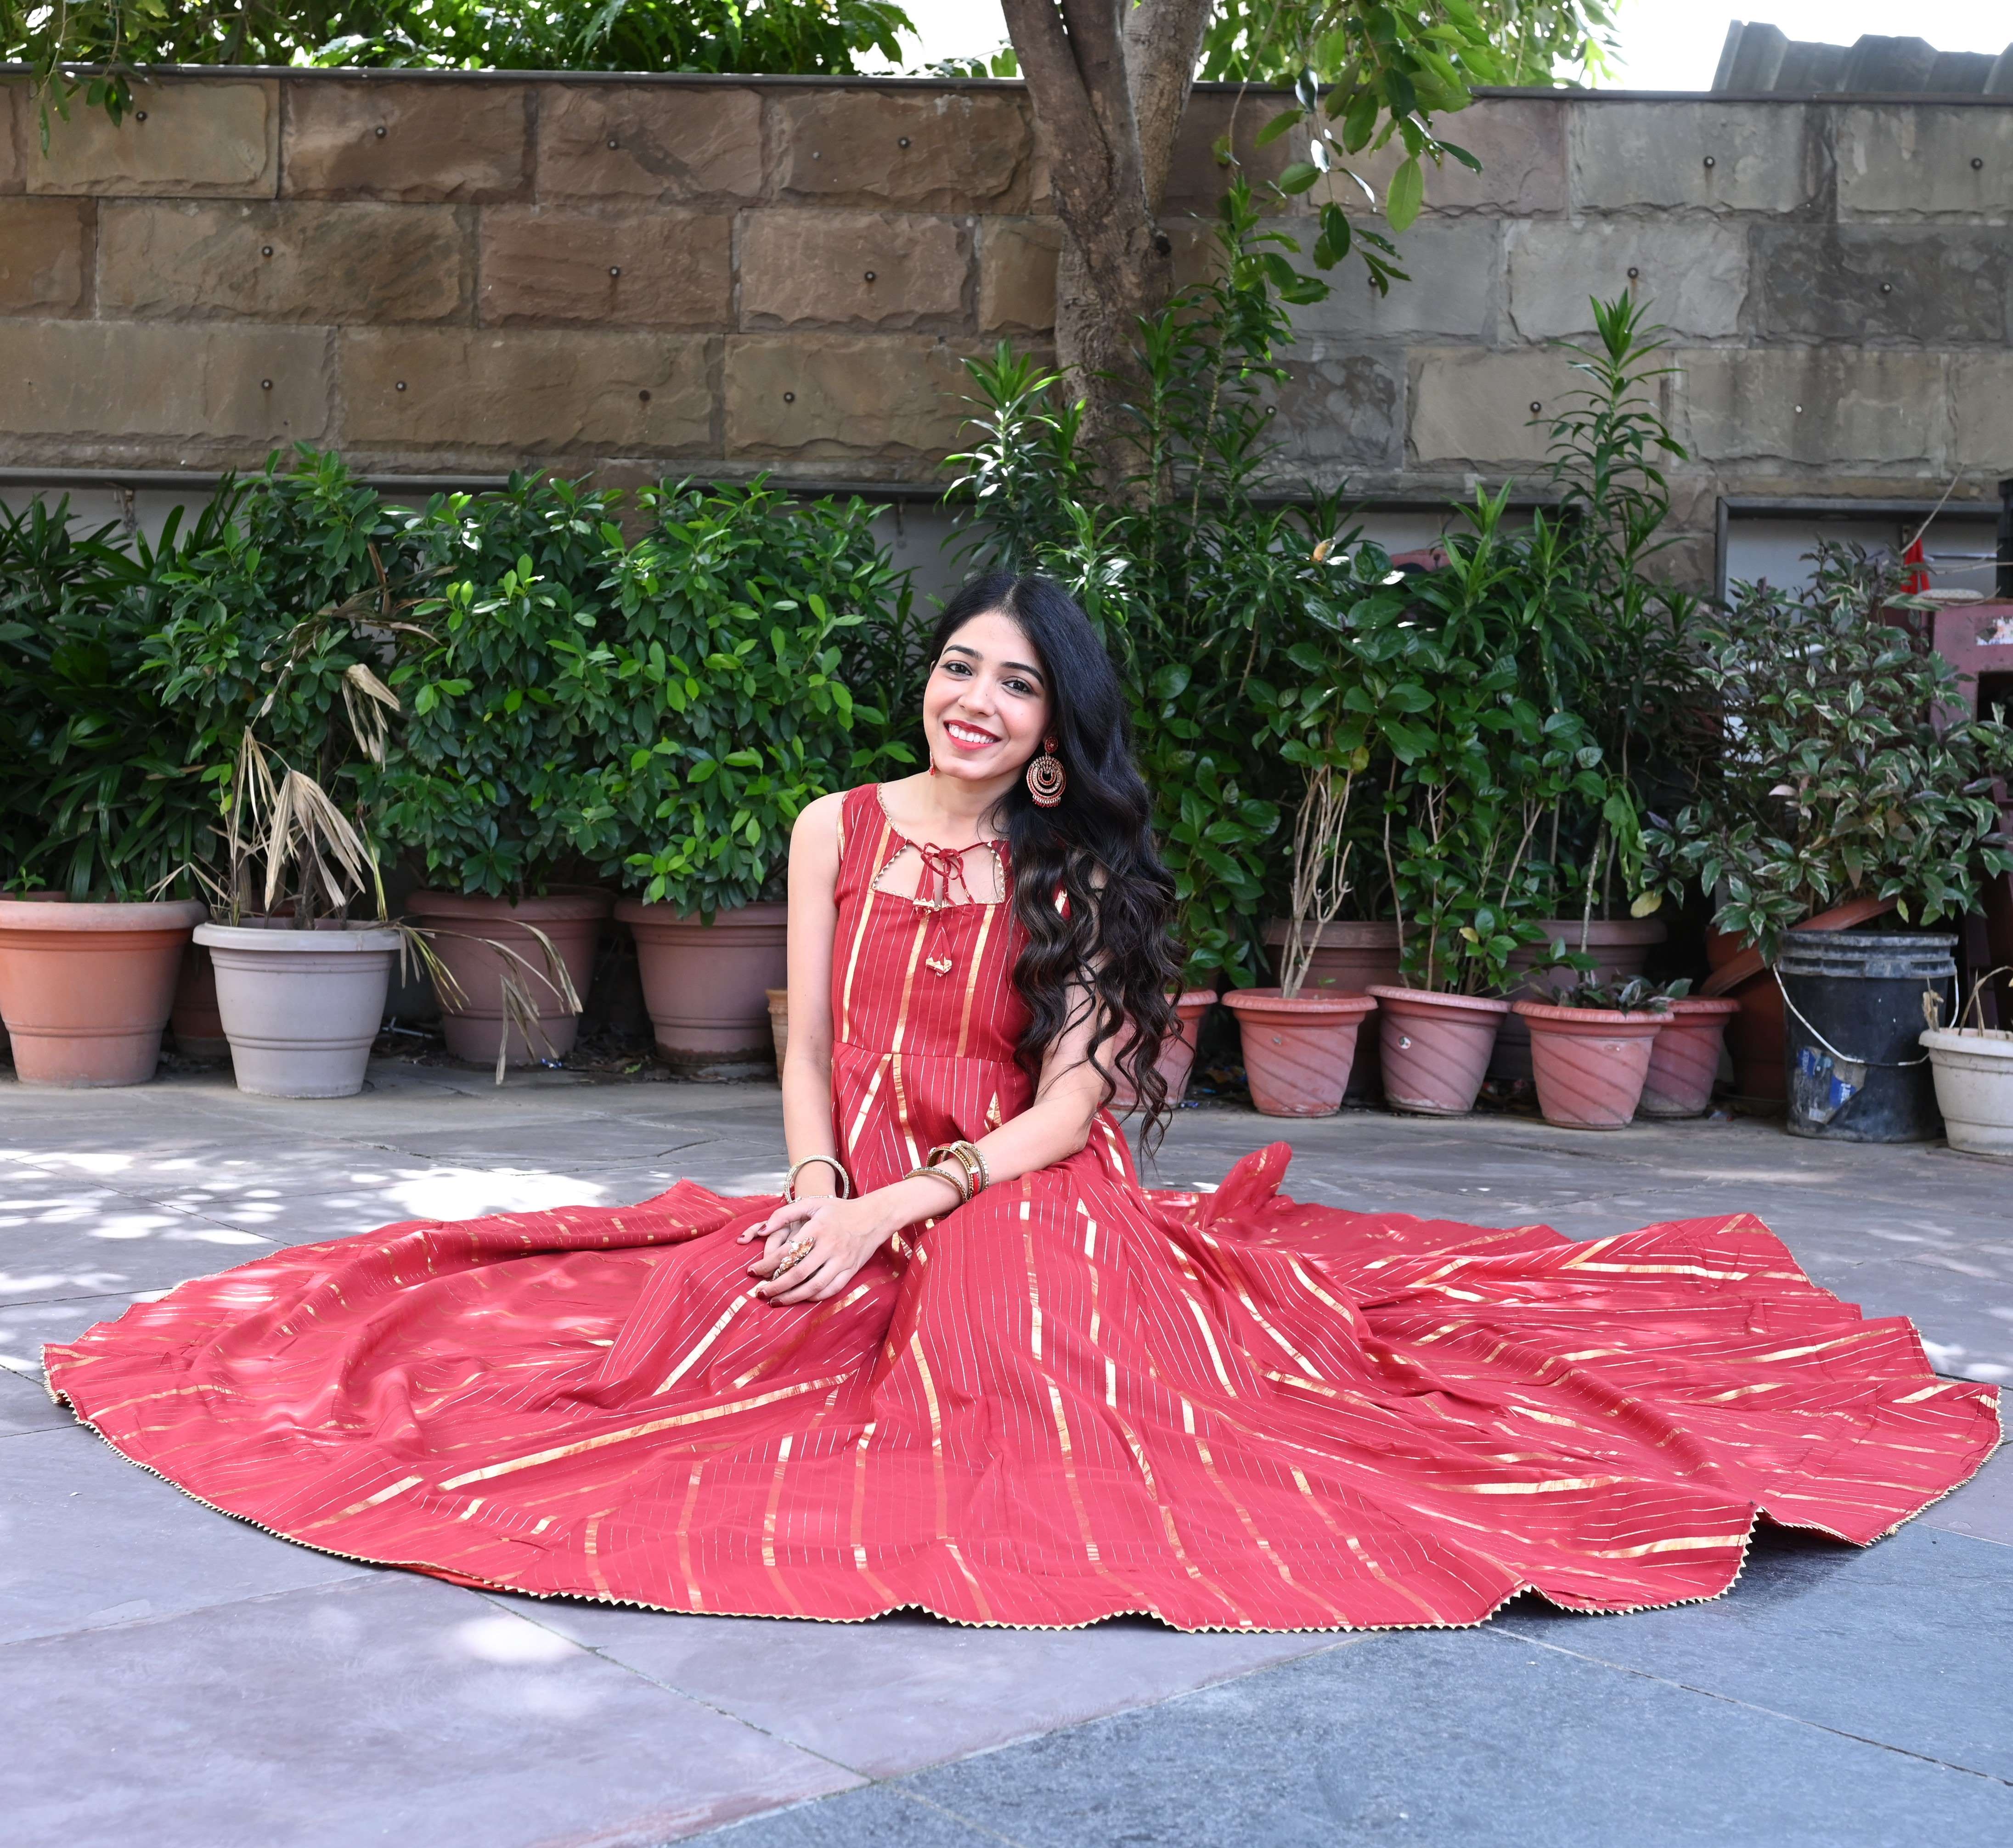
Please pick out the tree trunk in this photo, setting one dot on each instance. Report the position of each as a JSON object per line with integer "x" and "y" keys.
{"x": 1109, "y": 82}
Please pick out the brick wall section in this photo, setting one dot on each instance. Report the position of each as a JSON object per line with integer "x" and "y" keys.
{"x": 441, "y": 272}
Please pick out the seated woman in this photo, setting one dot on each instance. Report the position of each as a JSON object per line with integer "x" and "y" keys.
{"x": 974, "y": 1366}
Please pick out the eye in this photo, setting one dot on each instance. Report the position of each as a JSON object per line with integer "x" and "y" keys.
{"x": 953, "y": 665}
{"x": 1018, "y": 685}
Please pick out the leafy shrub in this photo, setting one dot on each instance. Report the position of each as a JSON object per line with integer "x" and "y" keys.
{"x": 99, "y": 795}
{"x": 1848, "y": 767}
{"x": 658, "y": 712}
{"x": 740, "y": 612}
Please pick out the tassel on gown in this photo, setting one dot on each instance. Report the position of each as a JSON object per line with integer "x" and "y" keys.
{"x": 1071, "y": 1398}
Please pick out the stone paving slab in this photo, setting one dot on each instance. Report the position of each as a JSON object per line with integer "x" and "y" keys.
{"x": 169, "y": 1659}
{"x": 1909, "y": 1643}
{"x": 1422, "y": 1740}
{"x": 908, "y": 1690}
{"x": 88, "y": 1539}
{"x": 384, "y": 1707}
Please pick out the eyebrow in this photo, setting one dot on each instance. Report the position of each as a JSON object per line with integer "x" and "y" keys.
{"x": 958, "y": 648}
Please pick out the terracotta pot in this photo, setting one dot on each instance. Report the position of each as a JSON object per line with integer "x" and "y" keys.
{"x": 1297, "y": 1053}
{"x": 85, "y": 989}
{"x": 1589, "y": 1063}
{"x": 300, "y": 1007}
{"x": 1755, "y": 1037}
{"x": 1177, "y": 1058}
{"x": 464, "y": 930}
{"x": 197, "y": 1025}
{"x": 1436, "y": 1047}
{"x": 1349, "y": 958}
{"x": 1620, "y": 947}
{"x": 1684, "y": 1061}
{"x": 779, "y": 1023}
{"x": 706, "y": 984}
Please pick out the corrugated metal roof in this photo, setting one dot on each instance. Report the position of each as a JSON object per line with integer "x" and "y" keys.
{"x": 1758, "y": 57}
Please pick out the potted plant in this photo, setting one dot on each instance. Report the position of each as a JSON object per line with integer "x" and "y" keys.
{"x": 1859, "y": 788}
{"x": 736, "y": 613}
{"x": 1590, "y": 1050}
{"x": 512, "y": 710}
{"x": 1685, "y": 1057}
{"x": 104, "y": 819}
{"x": 1973, "y": 1069}
{"x": 1299, "y": 1047}
{"x": 1475, "y": 759}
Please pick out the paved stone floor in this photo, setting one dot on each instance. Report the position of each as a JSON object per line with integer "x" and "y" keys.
{"x": 172, "y": 1677}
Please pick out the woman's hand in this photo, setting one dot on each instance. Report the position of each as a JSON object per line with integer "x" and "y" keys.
{"x": 813, "y": 1247}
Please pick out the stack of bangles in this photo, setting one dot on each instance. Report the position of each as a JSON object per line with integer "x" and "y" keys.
{"x": 964, "y": 1169}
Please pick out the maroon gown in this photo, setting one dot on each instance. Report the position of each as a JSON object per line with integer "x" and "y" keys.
{"x": 1071, "y": 1398}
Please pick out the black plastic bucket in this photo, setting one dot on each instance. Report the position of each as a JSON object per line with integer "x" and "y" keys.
{"x": 1853, "y": 1060}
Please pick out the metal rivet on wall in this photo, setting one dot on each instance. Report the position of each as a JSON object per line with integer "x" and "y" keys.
{"x": 644, "y": 397}
{"x": 1798, "y": 409}
{"x": 1886, "y": 288}
{"x": 612, "y": 142}
{"x": 1535, "y": 407}
{"x": 903, "y": 142}
{"x": 265, "y": 250}
{"x": 614, "y": 268}
{"x": 139, "y": 115}
{"x": 1977, "y": 165}
{"x": 1710, "y": 162}
{"x": 380, "y": 131}
{"x": 789, "y": 397}
{"x": 265, "y": 384}
{"x": 870, "y": 275}
{"x": 1633, "y": 273}
{"x": 400, "y": 386}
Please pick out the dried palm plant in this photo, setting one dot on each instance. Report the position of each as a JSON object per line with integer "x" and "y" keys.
{"x": 1320, "y": 868}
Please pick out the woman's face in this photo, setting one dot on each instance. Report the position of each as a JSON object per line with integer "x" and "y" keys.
{"x": 985, "y": 708}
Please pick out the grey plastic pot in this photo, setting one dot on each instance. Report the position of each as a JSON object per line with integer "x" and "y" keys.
{"x": 300, "y": 1008}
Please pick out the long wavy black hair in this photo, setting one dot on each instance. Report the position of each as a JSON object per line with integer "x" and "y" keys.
{"x": 1095, "y": 847}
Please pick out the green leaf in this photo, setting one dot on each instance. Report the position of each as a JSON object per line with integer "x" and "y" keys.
{"x": 1298, "y": 177}
{"x": 1406, "y": 194}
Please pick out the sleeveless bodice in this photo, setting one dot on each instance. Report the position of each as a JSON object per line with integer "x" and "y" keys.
{"x": 925, "y": 1016}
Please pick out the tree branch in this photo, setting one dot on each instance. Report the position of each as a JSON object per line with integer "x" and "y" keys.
{"x": 1163, "y": 41}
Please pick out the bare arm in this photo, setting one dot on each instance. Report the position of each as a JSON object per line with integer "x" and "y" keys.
{"x": 814, "y": 926}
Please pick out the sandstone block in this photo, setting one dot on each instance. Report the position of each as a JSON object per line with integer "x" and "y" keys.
{"x": 653, "y": 141}
{"x": 884, "y": 270}
{"x": 1196, "y": 180}
{"x": 654, "y": 270}
{"x": 813, "y": 397}
{"x": 109, "y": 379}
{"x": 932, "y": 150}
{"x": 1016, "y": 274}
{"x": 204, "y": 137}
{"x": 45, "y": 253}
{"x": 1469, "y": 405}
{"x": 1915, "y": 159}
{"x": 1858, "y": 282}
{"x": 1692, "y": 273}
{"x": 1339, "y": 407}
{"x": 1711, "y": 156}
{"x": 468, "y": 143}
{"x": 526, "y": 389}
{"x": 1981, "y": 401}
{"x": 1832, "y": 406}
{"x": 1454, "y": 266}
{"x": 292, "y": 261}
{"x": 1521, "y": 142}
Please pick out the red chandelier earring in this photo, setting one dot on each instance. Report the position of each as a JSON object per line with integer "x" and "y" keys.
{"x": 1045, "y": 780}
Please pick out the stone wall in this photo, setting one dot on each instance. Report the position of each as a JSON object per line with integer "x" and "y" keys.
{"x": 447, "y": 272}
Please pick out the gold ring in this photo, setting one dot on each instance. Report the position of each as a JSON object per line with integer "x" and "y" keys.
{"x": 793, "y": 1255}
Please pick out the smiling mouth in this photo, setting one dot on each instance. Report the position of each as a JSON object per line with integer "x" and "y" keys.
{"x": 970, "y": 736}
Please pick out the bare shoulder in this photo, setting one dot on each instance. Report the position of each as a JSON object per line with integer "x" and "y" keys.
{"x": 819, "y": 821}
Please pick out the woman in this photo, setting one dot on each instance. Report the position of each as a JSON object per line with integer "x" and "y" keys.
{"x": 973, "y": 1366}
